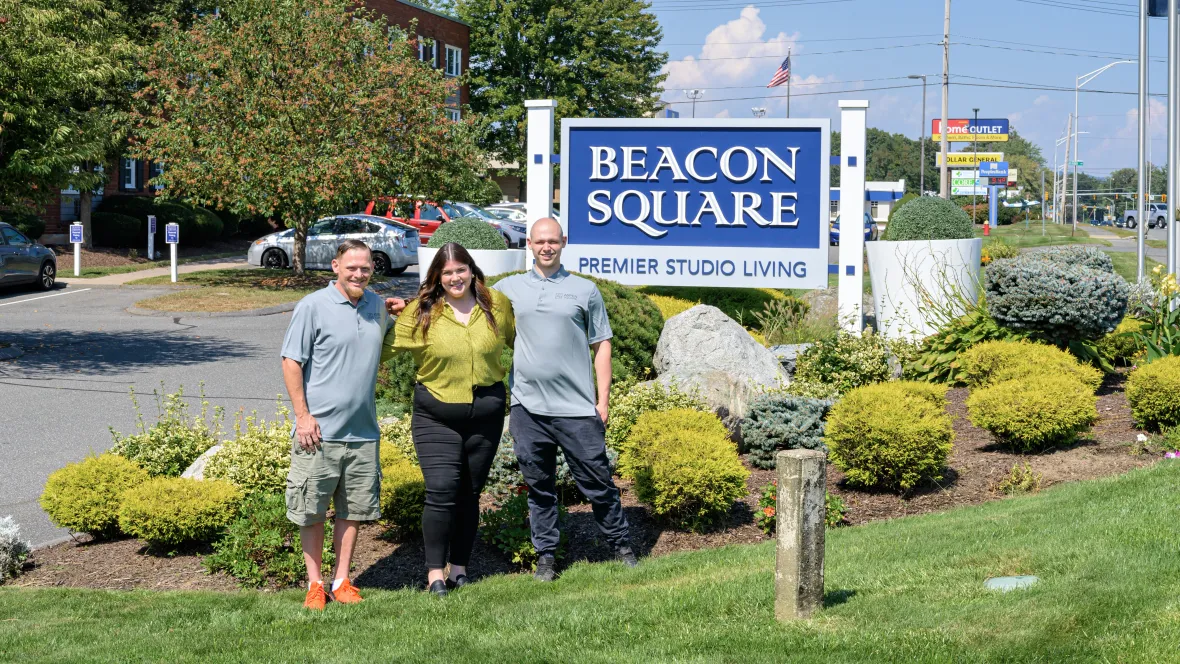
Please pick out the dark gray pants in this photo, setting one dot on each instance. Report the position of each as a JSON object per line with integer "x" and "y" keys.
{"x": 583, "y": 440}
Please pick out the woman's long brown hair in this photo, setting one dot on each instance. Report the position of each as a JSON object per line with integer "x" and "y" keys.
{"x": 432, "y": 295}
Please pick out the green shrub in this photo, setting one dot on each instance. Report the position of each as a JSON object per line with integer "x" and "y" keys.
{"x": 13, "y": 549}
{"x": 209, "y": 226}
{"x": 994, "y": 362}
{"x": 791, "y": 321}
{"x": 85, "y": 496}
{"x": 646, "y": 430}
{"x": 167, "y": 512}
{"x": 904, "y": 199}
{"x": 470, "y": 233}
{"x": 397, "y": 440}
{"x": 846, "y": 361}
{"x": 403, "y": 495}
{"x": 939, "y": 358}
{"x": 506, "y": 527}
{"x": 669, "y": 305}
{"x": 505, "y": 479}
{"x": 890, "y": 435}
{"x": 174, "y": 441}
{"x": 258, "y": 457}
{"x": 230, "y": 223}
{"x": 774, "y": 423}
{"x": 628, "y": 401}
{"x": 997, "y": 249}
{"x": 396, "y": 378}
{"x": 740, "y": 304}
{"x": 24, "y": 221}
{"x": 261, "y": 546}
{"x": 929, "y": 218}
{"x": 1035, "y": 411}
{"x": 686, "y": 468}
{"x": 766, "y": 515}
{"x": 192, "y": 231}
{"x": 111, "y": 229}
{"x": 1153, "y": 390}
{"x": 1124, "y": 345}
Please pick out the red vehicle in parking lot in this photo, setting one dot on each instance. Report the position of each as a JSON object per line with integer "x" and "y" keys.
{"x": 425, "y": 216}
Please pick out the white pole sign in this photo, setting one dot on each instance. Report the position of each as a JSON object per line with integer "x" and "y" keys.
{"x": 850, "y": 298}
{"x": 172, "y": 237}
{"x": 151, "y": 237}
{"x": 76, "y": 240}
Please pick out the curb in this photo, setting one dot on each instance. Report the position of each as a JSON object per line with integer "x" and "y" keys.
{"x": 51, "y": 543}
{"x": 11, "y": 352}
{"x": 247, "y": 313}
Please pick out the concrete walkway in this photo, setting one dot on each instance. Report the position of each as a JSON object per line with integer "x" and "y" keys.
{"x": 66, "y": 271}
{"x": 1125, "y": 244}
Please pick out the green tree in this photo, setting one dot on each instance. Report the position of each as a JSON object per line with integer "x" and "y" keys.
{"x": 64, "y": 89}
{"x": 297, "y": 109}
{"x": 596, "y": 59}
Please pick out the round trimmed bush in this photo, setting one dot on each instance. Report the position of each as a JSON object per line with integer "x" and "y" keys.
{"x": 1034, "y": 412}
{"x": 994, "y": 362}
{"x": 167, "y": 512}
{"x": 470, "y": 233}
{"x": 904, "y": 199}
{"x": 1153, "y": 390}
{"x": 24, "y": 221}
{"x": 208, "y": 225}
{"x": 1075, "y": 255}
{"x": 111, "y": 229}
{"x": 628, "y": 401}
{"x": 890, "y": 435}
{"x": 1122, "y": 345}
{"x": 775, "y": 423}
{"x": 929, "y": 218}
{"x": 403, "y": 495}
{"x": 86, "y": 496}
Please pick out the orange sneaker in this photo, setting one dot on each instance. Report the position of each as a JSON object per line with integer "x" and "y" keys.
{"x": 346, "y": 594}
{"x": 316, "y": 599}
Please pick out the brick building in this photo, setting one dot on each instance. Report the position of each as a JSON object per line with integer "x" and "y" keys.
{"x": 442, "y": 40}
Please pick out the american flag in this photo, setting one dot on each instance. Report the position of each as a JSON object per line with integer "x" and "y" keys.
{"x": 782, "y": 75}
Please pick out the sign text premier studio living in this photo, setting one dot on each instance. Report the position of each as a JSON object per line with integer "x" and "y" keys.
{"x": 697, "y": 202}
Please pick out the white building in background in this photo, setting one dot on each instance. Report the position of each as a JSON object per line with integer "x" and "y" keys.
{"x": 880, "y": 197}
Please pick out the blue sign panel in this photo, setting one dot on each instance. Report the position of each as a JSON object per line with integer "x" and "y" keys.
{"x": 697, "y": 202}
{"x": 172, "y": 233}
{"x": 993, "y": 169}
{"x": 151, "y": 224}
{"x": 75, "y": 233}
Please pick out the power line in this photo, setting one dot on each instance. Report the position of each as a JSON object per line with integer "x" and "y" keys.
{"x": 798, "y": 84}
{"x": 805, "y": 41}
{"x": 1084, "y": 8}
{"x": 808, "y": 55}
{"x": 801, "y": 94}
{"x": 712, "y": 6}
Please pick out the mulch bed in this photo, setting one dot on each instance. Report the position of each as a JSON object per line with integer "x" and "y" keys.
{"x": 976, "y": 466}
{"x": 108, "y": 257}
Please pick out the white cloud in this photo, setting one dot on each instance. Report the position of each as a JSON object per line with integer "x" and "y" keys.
{"x": 722, "y": 114}
{"x": 730, "y": 55}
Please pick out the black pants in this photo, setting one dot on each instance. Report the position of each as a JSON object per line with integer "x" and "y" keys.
{"x": 456, "y": 443}
{"x": 583, "y": 440}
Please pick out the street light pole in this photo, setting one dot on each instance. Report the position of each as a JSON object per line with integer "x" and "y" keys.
{"x": 922, "y": 167}
{"x": 1144, "y": 173}
{"x": 758, "y": 111}
{"x": 1077, "y": 123}
{"x": 975, "y": 157}
{"x": 694, "y": 95}
{"x": 944, "y": 184}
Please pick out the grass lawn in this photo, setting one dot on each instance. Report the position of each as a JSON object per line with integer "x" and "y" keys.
{"x": 67, "y": 262}
{"x": 1121, "y": 232}
{"x": 232, "y": 290}
{"x": 1126, "y": 262}
{"x": 907, "y": 590}
{"x": 1017, "y": 236}
{"x": 1157, "y": 244}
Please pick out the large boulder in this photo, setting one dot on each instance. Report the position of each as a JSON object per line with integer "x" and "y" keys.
{"x": 196, "y": 471}
{"x": 702, "y": 348}
{"x": 788, "y": 355}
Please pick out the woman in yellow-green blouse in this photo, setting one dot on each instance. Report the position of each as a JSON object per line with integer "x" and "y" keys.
{"x": 456, "y": 329}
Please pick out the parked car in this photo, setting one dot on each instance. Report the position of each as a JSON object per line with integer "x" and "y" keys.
{"x": 395, "y": 247}
{"x": 423, "y": 216}
{"x": 1157, "y": 215}
{"x": 507, "y": 213}
{"x": 513, "y": 231}
{"x": 871, "y": 232}
{"x": 23, "y": 261}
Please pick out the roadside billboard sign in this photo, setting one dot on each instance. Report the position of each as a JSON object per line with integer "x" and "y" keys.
{"x": 994, "y": 169}
{"x": 964, "y": 129}
{"x": 969, "y": 159}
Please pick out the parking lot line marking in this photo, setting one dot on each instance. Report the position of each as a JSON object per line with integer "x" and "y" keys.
{"x": 44, "y": 296}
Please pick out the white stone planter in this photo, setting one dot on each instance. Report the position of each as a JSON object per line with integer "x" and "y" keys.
{"x": 904, "y": 273}
{"x": 492, "y": 262}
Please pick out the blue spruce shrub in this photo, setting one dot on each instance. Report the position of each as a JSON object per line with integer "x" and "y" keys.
{"x": 1062, "y": 295}
{"x": 776, "y": 423}
{"x": 929, "y": 218}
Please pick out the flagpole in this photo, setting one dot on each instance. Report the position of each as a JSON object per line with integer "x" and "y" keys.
{"x": 788, "y": 85}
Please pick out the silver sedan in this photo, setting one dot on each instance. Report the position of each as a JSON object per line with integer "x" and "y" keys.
{"x": 395, "y": 247}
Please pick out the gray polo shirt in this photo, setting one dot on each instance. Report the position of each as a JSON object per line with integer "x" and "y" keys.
{"x": 339, "y": 346}
{"x": 557, "y": 318}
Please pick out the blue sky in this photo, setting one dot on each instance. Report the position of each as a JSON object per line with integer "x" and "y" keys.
{"x": 1039, "y": 43}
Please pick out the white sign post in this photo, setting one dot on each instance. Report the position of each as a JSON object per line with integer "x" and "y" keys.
{"x": 172, "y": 237}
{"x": 151, "y": 237}
{"x": 76, "y": 240}
{"x": 850, "y": 298}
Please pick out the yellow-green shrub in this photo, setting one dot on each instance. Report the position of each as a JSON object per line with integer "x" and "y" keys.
{"x": 85, "y": 496}
{"x": 397, "y": 441}
{"x": 628, "y": 401}
{"x": 258, "y": 458}
{"x": 177, "y": 438}
{"x": 993, "y": 362}
{"x": 1153, "y": 390}
{"x": 1122, "y": 345}
{"x": 890, "y": 435}
{"x": 1034, "y": 412}
{"x": 167, "y": 512}
{"x": 403, "y": 493}
{"x": 650, "y": 425}
{"x": 669, "y": 306}
{"x": 687, "y": 469}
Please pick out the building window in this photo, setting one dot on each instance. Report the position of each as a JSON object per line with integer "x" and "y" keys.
{"x": 873, "y": 207}
{"x": 155, "y": 169}
{"x": 428, "y": 50}
{"x": 453, "y": 114}
{"x": 454, "y": 61}
{"x": 71, "y": 208}
{"x": 129, "y": 174}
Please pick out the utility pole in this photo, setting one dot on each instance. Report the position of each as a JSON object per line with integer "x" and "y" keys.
{"x": 1143, "y": 168}
{"x": 975, "y": 156}
{"x": 922, "y": 134}
{"x": 1173, "y": 127}
{"x": 944, "y": 188}
{"x": 1065, "y": 170}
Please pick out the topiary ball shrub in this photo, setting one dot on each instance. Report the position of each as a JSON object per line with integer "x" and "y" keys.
{"x": 629, "y": 400}
{"x": 929, "y": 218}
{"x": 890, "y": 435}
{"x": 167, "y": 512}
{"x": 261, "y": 546}
{"x": 1054, "y": 298}
{"x": 85, "y": 497}
{"x": 1153, "y": 390}
{"x": 403, "y": 496}
{"x": 1035, "y": 411}
{"x": 472, "y": 234}
{"x": 1122, "y": 345}
{"x": 258, "y": 457}
{"x": 775, "y": 423}
{"x": 994, "y": 362}
{"x": 686, "y": 468}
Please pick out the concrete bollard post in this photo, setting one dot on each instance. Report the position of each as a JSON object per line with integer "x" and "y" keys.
{"x": 799, "y": 559}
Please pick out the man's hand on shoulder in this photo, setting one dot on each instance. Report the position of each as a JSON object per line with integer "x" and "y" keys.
{"x": 395, "y": 305}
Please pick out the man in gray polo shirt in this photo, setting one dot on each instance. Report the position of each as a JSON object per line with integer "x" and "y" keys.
{"x": 555, "y": 401}
{"x": 330, "y": 358}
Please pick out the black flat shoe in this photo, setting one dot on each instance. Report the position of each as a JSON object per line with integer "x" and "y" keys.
{"x": 438, "y": 588}
{"x": 458, "y": 582}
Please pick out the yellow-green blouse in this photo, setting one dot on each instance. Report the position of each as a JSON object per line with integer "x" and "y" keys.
{"x": 455, "y": 358}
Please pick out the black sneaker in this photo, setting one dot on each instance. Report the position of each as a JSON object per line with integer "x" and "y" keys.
{"x": 545, "y": 568}
{"x": 626, "y": 556}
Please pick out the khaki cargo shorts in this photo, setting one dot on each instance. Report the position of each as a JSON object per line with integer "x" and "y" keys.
{"x": 348, "y": 474}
